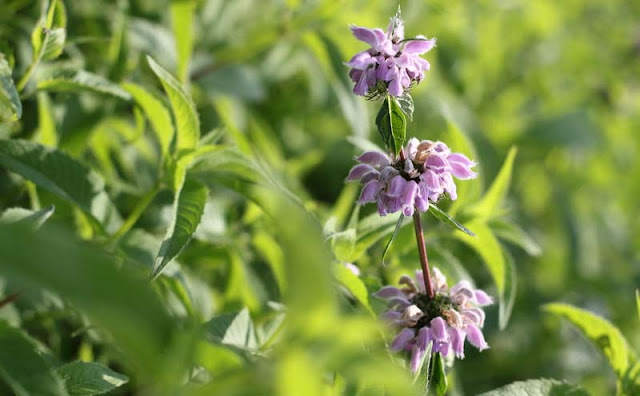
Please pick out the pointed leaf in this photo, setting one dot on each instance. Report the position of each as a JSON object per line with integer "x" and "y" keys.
{"x": 510, "y": 232}
{"x": 34, "y": 219}
{"x": 53, "y": 43}
{"x": 438, "y": 375}
{"x": 343, "y": 244}
{"x": 353, "y": 284}
{"x": 87, "y": 379}
{"x": 448, "y": 220}
{"x": 47, "y": 134}
{"x": 492, "y": 199}
{"x": 182, "y": 22}
{"x": 188, "y": 209}
{"x": 78, "y": 81}
{"x": 423, "y": 372}
{"x": 604, "y": 335}
{"x": 233, "y": 329}
{"x": 406, "y": 104}
{"x": 156, "y": 113}
{"x": 393, "y": 236}
{"x": 538, "y": 387}
{"x": 10, "y": 105}
{"x": 184, "y": 110}
{"x": 59, "y": 174}
{"x": 392, "y": 125}
{"x": 22, "y": 366}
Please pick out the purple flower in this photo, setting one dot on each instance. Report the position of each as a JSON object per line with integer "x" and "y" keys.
{"x": 424, "y": 176}
{"x": 391, "y": 60}
{"x": 452, "y": 316}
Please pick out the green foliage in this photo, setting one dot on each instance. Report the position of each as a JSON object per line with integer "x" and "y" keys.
{"x": 34, "y": 219}
{"x": 88, "y": 379}
{"x": 392, "y": 125}
{"x": 542, "y": 387}
{"x": 10, "y": 105}
{"x": 438, "y": 376}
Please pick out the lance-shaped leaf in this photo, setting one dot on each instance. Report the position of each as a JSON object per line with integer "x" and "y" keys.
{"x": 188, "y": 209}
{"x": 492, "y": 199}
{"x": 604, "y": 335}
{"x": 33, "y": 219}
{"x": 438, "y": 376}
{"x": 448, "y": 220}
{"x": 233, "y": 329}
{"x": 88, "y": 379}
{"x": 156, "y": 112}
{"x": 354, "y": 285}
{"x": 22, "y": 366}
{"x": 184, "y": 110}
{"x": 393, "y": 237}
{"x": 538, "y": 387}
{"x": 406, "y": 104}
{"x": 10, "y": 105}
{"x": 64, "y": 80}
{"x": 49, "y": 35}
{"x": 182, "y": 22}
{"x": 59, "y": 174}
{"x": 392, "y": 125}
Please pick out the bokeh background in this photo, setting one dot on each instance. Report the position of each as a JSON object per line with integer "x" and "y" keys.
{"x": 558, "y": 80}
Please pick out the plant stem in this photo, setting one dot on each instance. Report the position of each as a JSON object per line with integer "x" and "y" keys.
{"x": 422, "y": 250}
{"x": 134, "y": 215}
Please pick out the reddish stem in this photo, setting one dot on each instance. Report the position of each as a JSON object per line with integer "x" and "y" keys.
{"x": 422, "y": 250}
{"x": 9, "y": 299}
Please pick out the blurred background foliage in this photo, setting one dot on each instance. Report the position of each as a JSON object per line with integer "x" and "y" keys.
{"x": 559, "y": 80}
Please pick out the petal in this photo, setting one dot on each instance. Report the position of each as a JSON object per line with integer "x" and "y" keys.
{"x": 369, "y": 192}
{"x": 369, "y": 36}
{"x": 412, "y": 148}
{"x": 450, "y": 186}
{"x": 396, "y": 186}
{"x": 461, "y": 166}
{"x": 474, "y": 316}
{"x": 439, "y": 329}
{"x": 419, "y": 349}
{"x": 435, "y": 161}
{"x": 420, "y": 45}
{"x": 402, "y": 340}
{"x": 392, "y": 316}
{"x": 457, "y": 341}
{"x": 482, "y": 298}
{"x": 420, "y": 282}
{"x": 395, "y": 87}
{"x": 463, "y": 288}
{"x": 408, "y": 197}
{"x": 374, "y": 158}
{"x": 476, "y": 338}
{"x": 361, "y": 61}
{"x": 360, "y": 170}
{"x": 400, "y": 302}
{"x": 388, "y": 292}
{"x": 439, "y": 280}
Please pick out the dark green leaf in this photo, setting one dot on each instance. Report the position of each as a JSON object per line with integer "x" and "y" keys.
{"x": 184, "y": 110}
{"x": 188, "y": 209}
{"x": 22, "y": 366}
{"x": 392, "y": 125}
{"x": 87, "y": 379}
{"x": 604, "y": 335}
{"x": 406, "y": 104}
{"x": 33, "y": 219}
{"x": 58, "y": 173}
{"x": 233, "y": 329}
{"x": 448, "y": 220}
{"x": 10, "y": 105}
{"x": 393, "y": 236}
{"x": 438, "y": 375}
{"x": 537, "y": 387}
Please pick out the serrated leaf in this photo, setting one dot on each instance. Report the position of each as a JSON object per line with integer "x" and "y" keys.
{"x": 510, "y": 232}
{"x": 78, "y": 81}
{"x": 393, "y": 236}
{"x": 188, "y": 209}
{"x": 184, "y": 110}
{"x": 33, "y": 219}
{"x": 354, "y": 285}
{"x": 438, "y": 375}
{"x": 448, "y": 220}
{"x": 406, "y": 104}
{"x": 604, "y": 335}
{"x": 488, "y": 248}
{"x": 156, "y": 113}
{"x": 493, "y": 198}
{"x": 88, "y": 379}
{"x": 392, "y": 125}
{"x": 538, "y": 387}
{"x": 22, "y": 366}
{"x": 233, "y": 329}
{"x": 10, "y": 105}
{"x": 59, "y": 174}
{"x": 182, "y": 22}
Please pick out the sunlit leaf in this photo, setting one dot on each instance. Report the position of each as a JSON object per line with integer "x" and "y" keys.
{"x": 88, "y": 379}
{"x": 22, "y": 366}
{"x": 393, "y": 236}
{"x": 234, "y": 329}
{"x": 184, "y": 110}
{"x": 493, "y": 198}
{"x": 510, "y": 232}
{"x": 34, "y": 219}
{"x": 79, "y": 81}
{"x": 353, "y": 284}
{"x": 47, "y": 134}
{"x": 10, "y": 105}
{"x": 604, "y": 335}
{"x": 182, "y": 22}
{"x": 187, "y": 211}
{"x": 538, "y": 387}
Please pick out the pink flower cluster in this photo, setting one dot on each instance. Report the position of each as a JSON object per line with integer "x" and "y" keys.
{"x": 452, "y": 316}
{"x": 425, "y": 174}
{"x": 391, "y": 59}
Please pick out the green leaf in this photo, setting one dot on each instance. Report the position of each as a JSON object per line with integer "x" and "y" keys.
{"x": 53, "y": 43}
{"x": 47, "y": 134}
{"x": 393, "y": 236}
{"x": 423, "y": 372}
{"x": 156, "y": 112}
{"x": 184, "y": 110}
{"x": 10, "y": 105}
{"x": 343, "y": 244}
{"x": 61, "y": 80}
{"x": 354, "y": 285}
{"x": 392, "y": 125}
{"x": 448, "y": 220}
{"x": 500, "y": 267}
{"x": 87, "y": 379}
{"x": 188, "y": 209}
{"x": 510, "y": 232}
{"x": 438, "y": 375}
{"x": 33, "y": 219}
{"x": 638, "y": 301}
{"x": 22, "y": 366}
{"x": 406, "y": 104}
{"x": 59, "y": 174}
{"x": 182, "y": 22}
{"x": 233, "y": 329}
{"x": 537, "y": 387}
{"x": 604, "y": 335}
{"x": 49, "y": 35}
{"x": 493, "y": 198}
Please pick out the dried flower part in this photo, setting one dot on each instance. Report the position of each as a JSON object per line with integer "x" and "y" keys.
{"x": 392, "y": 63}
{"x": 424, "y": 176}
{"x": 451, "y": 317}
